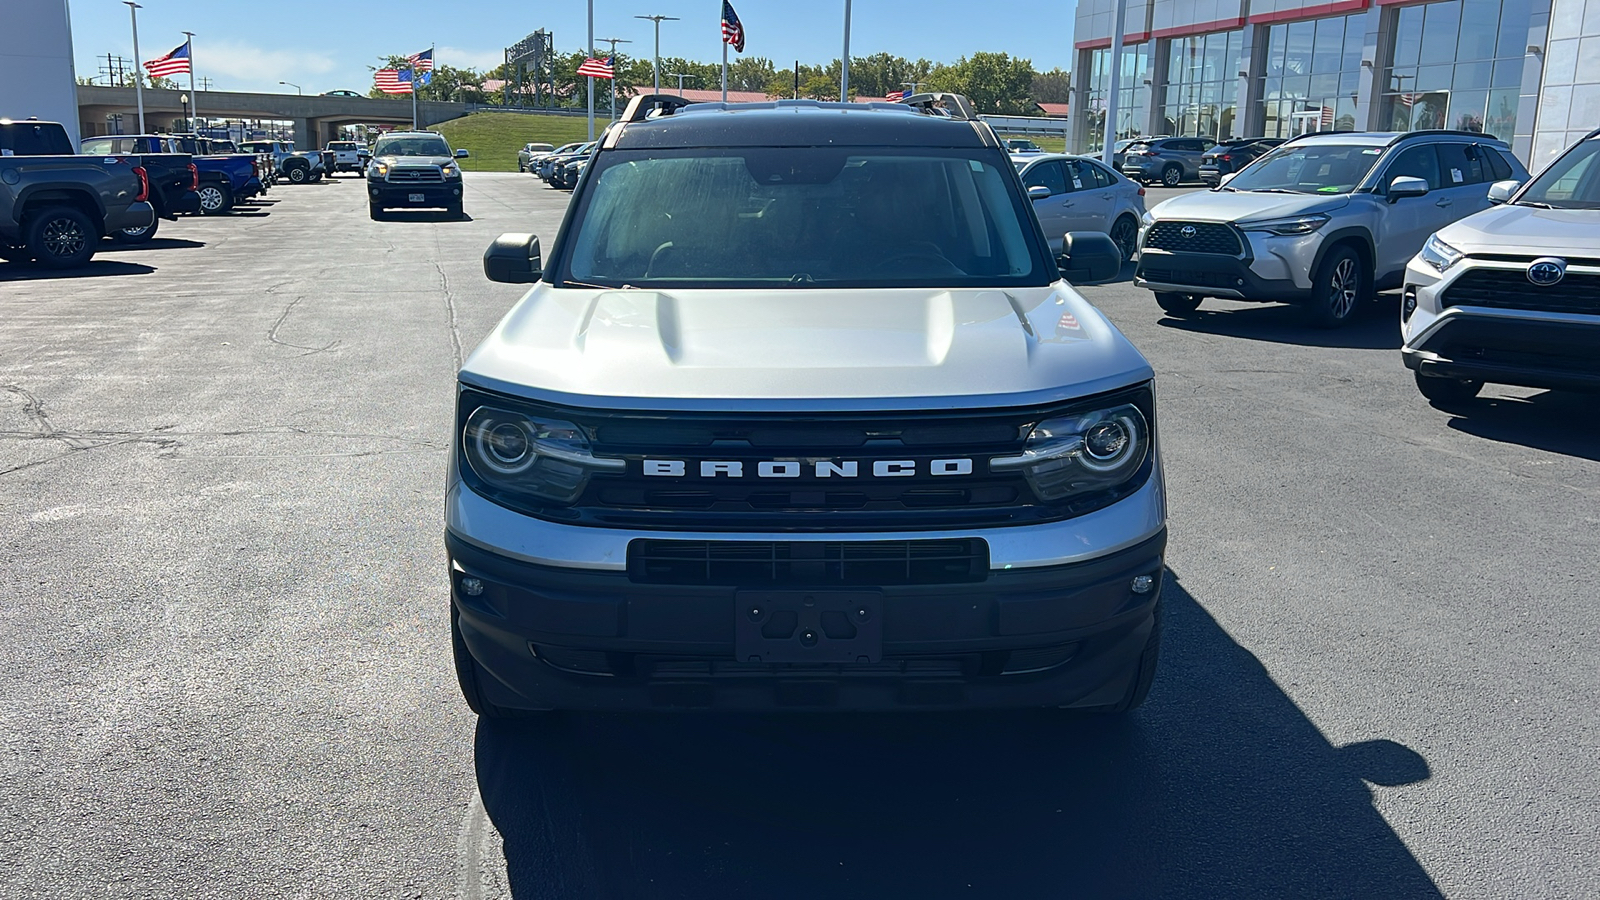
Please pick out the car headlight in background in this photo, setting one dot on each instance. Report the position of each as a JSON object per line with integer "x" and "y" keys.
{"x": 1438, "y": 254}
{"x": 1082, "y": 453}
{"x": 1291, "y": 226}
{"x": 530, "y": 455}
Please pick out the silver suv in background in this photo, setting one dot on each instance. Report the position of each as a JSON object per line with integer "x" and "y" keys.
{"x": 1512, "y": 295}
{"x": 1071, "y": 193}
{"x": 1322, "y": 221}
{"x": 1171, "y": 161}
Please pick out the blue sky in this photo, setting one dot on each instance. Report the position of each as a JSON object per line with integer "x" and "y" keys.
{"x": 241, "y": 48}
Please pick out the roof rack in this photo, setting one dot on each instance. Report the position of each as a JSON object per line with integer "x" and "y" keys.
{"x": 1454, "y": 131}
{"x": 954, "y": 106}
{"x": 644, "y": 106}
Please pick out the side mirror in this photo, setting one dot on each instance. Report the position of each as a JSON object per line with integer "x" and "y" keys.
{"x": 1038, "y": 192}
{"x": 462, "y": 154}
{"x": 1501, "y": 191}
{"x": 513, "y": 259}
{"x": 1406, "y": 186}
{"x": 1089, "y": 257}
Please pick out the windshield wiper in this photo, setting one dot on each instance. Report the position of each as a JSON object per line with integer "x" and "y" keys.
{"x": 1272, "y": 191}
{"x": 1536, "y": 203}
{"x": 604, "y": 287}
{"x": 802, "y": 278}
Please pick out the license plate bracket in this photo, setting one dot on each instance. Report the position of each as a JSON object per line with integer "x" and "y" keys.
{"x": 808, "y": 627}
{"x": 416, "y": 198}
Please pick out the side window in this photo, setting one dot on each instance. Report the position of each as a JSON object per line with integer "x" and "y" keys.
{"x": 1419, "y": 161}
{"x": 1461, "y": 165}
{"x": 1497, "y": 164}
{"x": 1096, "y": 176}
{"x": 97, "y": 148}
{"x": 1047, "y": 174}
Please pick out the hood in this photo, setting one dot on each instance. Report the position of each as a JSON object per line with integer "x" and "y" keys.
{"x": 404, "y": 161}
{"x": 1527, "y": 229}
{"x": 1244, "y": 206}
{"x": 849, "y": 349}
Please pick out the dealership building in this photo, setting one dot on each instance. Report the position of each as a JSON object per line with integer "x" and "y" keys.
{"x": 1525, "y": 71}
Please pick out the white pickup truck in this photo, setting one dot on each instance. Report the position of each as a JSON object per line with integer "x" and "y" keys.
{"x": 347, "y": 156}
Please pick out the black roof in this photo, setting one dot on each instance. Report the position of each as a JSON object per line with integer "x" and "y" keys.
{"x": 798, "y": 123}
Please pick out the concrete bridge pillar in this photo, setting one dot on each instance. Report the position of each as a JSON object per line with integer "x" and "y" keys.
{"x": 304, "y": 137}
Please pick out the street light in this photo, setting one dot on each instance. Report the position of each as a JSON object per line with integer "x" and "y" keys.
{"x": 187, "y": 125}
{"x": 295, "y": 86}
{"x": 658, "y": 20}
{"x": 138, "y": 80}
{"x": 681, "y": 76}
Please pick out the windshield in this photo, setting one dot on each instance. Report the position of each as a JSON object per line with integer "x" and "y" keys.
{"x": 1309, "y": 169}
{"x": 1571, "y": 182}
{"x": 806, "y": 217}
{"x": 419, "y": 145}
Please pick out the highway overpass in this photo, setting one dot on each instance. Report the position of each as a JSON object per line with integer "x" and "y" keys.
{"x": 316, "y": 118}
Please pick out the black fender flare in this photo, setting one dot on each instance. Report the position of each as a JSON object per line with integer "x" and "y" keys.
{"x": 1351, "y": 234}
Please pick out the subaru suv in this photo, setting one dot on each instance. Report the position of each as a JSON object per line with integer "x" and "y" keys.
{"x": 1322, "y": 220}
{"x": 1512, "y": 295}
{"x": 800, "y": 411}
{"x": 1171, "y": 161}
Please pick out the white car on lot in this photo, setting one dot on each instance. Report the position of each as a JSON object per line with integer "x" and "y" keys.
{"x": 1075, "y": 193}
{"x": 1512, "y": 295}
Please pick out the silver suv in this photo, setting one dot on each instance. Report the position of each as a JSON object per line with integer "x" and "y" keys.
{"x": 1323, "y": 220}
{"x": 1171, "y": 161}
{"x": 800, "y": 411}
{"x": 1512, "y": 295}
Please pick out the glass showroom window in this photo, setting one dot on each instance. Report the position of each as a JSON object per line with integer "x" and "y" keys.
{"x": 1134, "y": 109}
{"x": 1313, "y": 72}
{"x": 1457, "y": 64}
{"x": 1202, "y": 85}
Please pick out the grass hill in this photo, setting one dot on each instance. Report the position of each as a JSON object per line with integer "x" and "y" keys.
{"x": 494, "y": 138}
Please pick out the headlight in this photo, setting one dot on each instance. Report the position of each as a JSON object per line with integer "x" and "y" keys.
{"x": 377, "y": 170}
{"x": 1083, "y": 453}
{"x": 1438, "y": 254}
{"x": 450, "y": 172}
{"x": 532, "y": 455}
{"x": 1295, "y": 225}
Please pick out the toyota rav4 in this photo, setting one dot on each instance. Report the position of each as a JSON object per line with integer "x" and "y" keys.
{"x": 801, "y": 411}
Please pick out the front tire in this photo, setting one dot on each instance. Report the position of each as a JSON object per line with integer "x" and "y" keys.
{"x": 1446, "y": 392}
{"x": 1172, "y": 176}
{"x": 1176, "y": 304}
{"x": 61, "y": 237}
{"x": 1341, "y": 283}
{"x": 298, "y": 174}
{"x": 215, "y": 199}
{"x": 137, "y": 235}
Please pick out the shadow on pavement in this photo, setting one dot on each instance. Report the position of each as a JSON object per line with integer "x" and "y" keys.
{"x": 1219, "y": 787}
{"x": 1556, "y": 421}
{"x": 97, "y": 268}
{"x": 422, "y": 215}
{"x": 1375, "y": 326}
{"x": 156, "y": 244}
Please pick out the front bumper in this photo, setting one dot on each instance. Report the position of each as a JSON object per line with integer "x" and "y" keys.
{"x": 562, "y": 638}
{"x": 385, "y": 195}
{"x": 1213, "y": 275}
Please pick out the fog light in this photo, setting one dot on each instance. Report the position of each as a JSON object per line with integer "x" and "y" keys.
{"x": 1142, "y": 584}
{"x": 472, "y": 587}
{"x": 1408, "y": 302}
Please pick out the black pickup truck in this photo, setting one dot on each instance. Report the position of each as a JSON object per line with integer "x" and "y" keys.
{"x": 55, "y": 205}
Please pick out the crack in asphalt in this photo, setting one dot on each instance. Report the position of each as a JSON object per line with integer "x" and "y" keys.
{"x": 272, "y": 334}
{"x": 450, "y": 312}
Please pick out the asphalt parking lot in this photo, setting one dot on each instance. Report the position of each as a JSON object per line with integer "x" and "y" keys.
{"x": 227, "y": 647}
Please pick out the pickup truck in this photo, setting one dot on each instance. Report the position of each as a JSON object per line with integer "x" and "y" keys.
{"x": 221, "y": 179}
{"x": 347, "y": 156}
{"x": 173, "y": 179}
{"x": 55, "y": 205}
{"x": 292, "y": 165}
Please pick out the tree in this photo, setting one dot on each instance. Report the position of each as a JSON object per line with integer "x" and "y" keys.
{"x": 881, "y": 74}
{"x": 994, "y": 82}
{"x": 1054, "y": 86}
{"x": 750, "y": 73}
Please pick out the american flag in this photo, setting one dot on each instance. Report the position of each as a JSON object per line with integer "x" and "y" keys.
{"x": 732, "y": 28}
{"x": 597, "y": 68}
{"x": 173, "y": 63}
{"x": 421, "y": 62}
{"x": 895, "y": 96}
{"x": 393, "y": 81}
{"x": 1327, "y": 116}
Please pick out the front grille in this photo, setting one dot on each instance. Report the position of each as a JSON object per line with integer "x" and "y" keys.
{"x": 830, "y": 563}
{"x": 1190, "y": 277}
{"x": 429, "y": 175}
{"x": 1511, "y": 289}
{"x": 1207, "y": 237}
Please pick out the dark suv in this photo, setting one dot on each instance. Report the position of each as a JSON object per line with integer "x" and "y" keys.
{"x": 1231, "y": 156}
{"x": 414, "y": 169}
{"x": 1171, "y": 161}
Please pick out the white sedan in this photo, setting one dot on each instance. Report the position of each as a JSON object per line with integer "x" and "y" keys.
{"x": 1075, "y": 193}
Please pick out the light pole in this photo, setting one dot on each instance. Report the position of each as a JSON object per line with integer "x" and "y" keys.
{"x": 1119, "y": 30}
{"x": 681, "y": 76}
{"x": 658, "y": 20}
{"x": 295, "y": 86}
{"x": 613, "y": 57}
{"x": 912, "y": 85}
{"x": 187, "y": 125}
{"x": 590, "y": 49}
{"x": 192, "y": 95}
{"x": 138, "y": 78}
{"x": 844, "y": 61}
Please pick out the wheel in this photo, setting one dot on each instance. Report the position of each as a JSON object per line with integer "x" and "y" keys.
{"x": 375, "y": 211}
{"x": 215, "y": 199}
{"x": 1341, "y": 282}
{"x": 61, "y": 237}
{"x": 1447, "y": 391}
{"x": 1178, "y": 304}
{"x": 1172, "y": 176}
{"x": 299, "y": 174}
{"x": 1144, "y": 674}
{"x": 1125, "y": 234}
{"x": 522, "y": 167}
{"x": 137, "y": 235}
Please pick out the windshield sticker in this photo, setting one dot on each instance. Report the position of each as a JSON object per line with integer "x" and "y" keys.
{"x": 1373, "y": 151}
{"x": 1328, "y": 189}
{"x": 1455, "y": 175}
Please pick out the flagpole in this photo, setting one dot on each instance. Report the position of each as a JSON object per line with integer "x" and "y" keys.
{"x": 724, "y": 70}
{"x": 591, "y": 77}
{"x": 194, "y": 101}
{"x": 844, "y": 61}
{"x": 138, "y": 77}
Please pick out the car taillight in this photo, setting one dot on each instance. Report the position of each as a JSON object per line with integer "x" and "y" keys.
{"x": 144, "y": 184}
{"x": 194, "y": 177}
{"x": 1226, "y": 157}
{"x": 1141, "y": 192}
{"x": 255, "y": 168}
